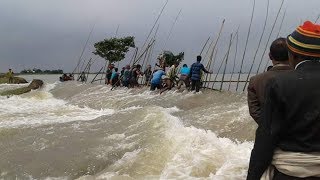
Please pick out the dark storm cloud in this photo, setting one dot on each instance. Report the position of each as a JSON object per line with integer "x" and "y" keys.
{"x": 51, "y": 34}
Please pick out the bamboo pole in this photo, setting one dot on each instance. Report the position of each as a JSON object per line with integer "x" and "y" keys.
{"x": 84, "y": 47}
{"x": 267, "y": 44}
{"x": 155, "y": 24}
{"x": 205, "y": 44}
{"x": 282, "y": 20}
{"x": 213, "y": 50}
{"x": 96, "y": 75}
{"x": 147, "y": 48}
{"x": 225, "y": 67}
{"x": 134, "y": 56}
{"x": 259, "y": 44}
{"x": 317, "y": 19}
{"x": 246, "y": 45}
{"x": 223, "y": 59}
{"x": 104, "y": 68}
{"x": 215, "y": 57}
{"x": 153, "y": 39}
{"x": 171, "y": 29}
{"x": 268, "y": 62}
{"x": 234, "y": 60}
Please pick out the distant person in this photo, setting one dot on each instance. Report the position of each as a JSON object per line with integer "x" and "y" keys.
{"x": 115, "y": 78}
{"x": 109, "y": 73}
{"x": 126, "y": 76}
{"x": 135, "y": 73}
{"x": 256, "y": 89}
{"x": 184, "y": 76}
{"x": 71, "y": 76}
{"x": 156, "y": 81}
{"x": 122, "y": 71}
{"x": 10, "y": 76}
{"x": 287, "y": 146}
{"x": 82, "y": 77}
{"x": 196, "y": 69}
{"x": 148, "y": 73}
{"x": 170, "y": 80}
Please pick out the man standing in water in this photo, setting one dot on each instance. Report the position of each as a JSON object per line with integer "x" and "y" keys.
{"x": 184, "y": 76}
{"x": 196, "y": 69}
{"x": 287, "y": 143}
{"x": 10, "y": 76}
{"x": 148, "y": 73}
{"x": 257, "y": 84}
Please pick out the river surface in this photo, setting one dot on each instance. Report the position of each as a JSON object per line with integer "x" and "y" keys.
{"x": 80, "y": 131}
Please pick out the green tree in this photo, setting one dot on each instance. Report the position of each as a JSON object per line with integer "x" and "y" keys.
{"x": 170, "y": 58}
{"x": 114, "y": 49}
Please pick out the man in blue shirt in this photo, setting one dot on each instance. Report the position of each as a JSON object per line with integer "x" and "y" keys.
{"x": 184, "y": 76}
{"x": 156, "y": 79}
{"x": 196, "y": 69}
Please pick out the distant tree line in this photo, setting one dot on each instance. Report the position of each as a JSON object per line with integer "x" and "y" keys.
{"x": 39, "y": 71}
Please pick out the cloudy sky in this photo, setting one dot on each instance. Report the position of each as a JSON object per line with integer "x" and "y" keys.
{"x": 51, "y": 34}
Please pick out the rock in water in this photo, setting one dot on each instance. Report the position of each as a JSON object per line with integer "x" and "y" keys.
{"x": 35, "y": 84}
{"x": 16, "y": 80}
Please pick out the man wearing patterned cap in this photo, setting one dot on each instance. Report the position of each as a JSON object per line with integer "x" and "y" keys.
{"x": 287, "y": 146}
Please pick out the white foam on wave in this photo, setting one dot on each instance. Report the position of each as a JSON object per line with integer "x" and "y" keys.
{"x": 191, "y": 153}
{"x": 201, "y": 154}
{"x": 39, "y": 107}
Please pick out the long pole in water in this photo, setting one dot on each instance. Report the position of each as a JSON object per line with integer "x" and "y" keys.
{"x": 104, "y": 68}
{"x": 213, "y": 49}
{"x": 282, "y": 20}
{"x": 223, "y": 59}
{"x": 317, "y": 19}
{"x": 205, "y": 44}
{"x": 259, "y": 44}
{"x": 234, "y": 60}
{"x": 171, "y": 29}
{"x": 225, "y": 67}
{"x": 246, "y": 45}
{"x": 266, "y": 47}
{"x": 145, "y": 51}
{"x": 155, "y": 23}
{"x": 278, "y": 35}
{"x": 96, "y": 75}
{"x": 84, "y": 47}
{"x": 134, "y": 56}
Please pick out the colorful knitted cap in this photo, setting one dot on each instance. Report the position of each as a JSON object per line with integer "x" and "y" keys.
{"x": 305, "y": 40}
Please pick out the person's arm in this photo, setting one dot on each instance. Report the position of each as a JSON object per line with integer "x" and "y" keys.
{"x": 253, "y": 102}
{"x": 267, "y": 134}
{"x": 204, "y": 69}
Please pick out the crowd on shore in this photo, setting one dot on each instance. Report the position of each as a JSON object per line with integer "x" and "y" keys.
{"x": 160, "y": 77}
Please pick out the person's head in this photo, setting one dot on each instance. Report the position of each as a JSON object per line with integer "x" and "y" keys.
{"x": 10, "y": 69}
{"x": 303, "y": 43}
{"x": 111, "y": 66}
{"x": 128, "y": 66}
{"x": 138, "y": 66}
{"x": 185, "y": 65}
{"x": 199, "y": 58}
{"x": 116, "y": 69}
{"x": 279, "y": 51}
{"x": 149, "y": 66}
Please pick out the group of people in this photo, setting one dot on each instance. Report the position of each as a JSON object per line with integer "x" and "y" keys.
{"x": 66, "y": 77}
{"x": 285, "y": 103}
{"x": 161, "y": 77}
